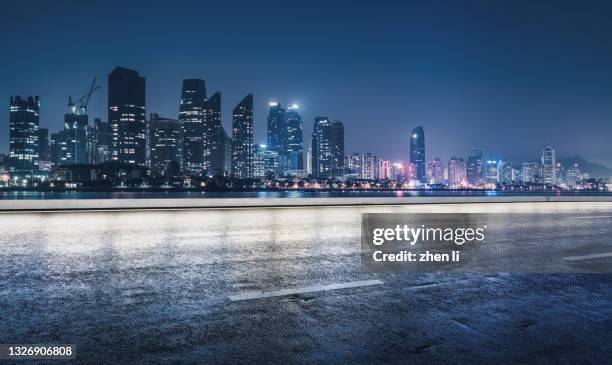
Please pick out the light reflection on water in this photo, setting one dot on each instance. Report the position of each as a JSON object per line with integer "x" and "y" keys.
{"x": 11, "y": 195}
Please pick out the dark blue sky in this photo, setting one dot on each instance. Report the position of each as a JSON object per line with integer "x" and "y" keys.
{"x": 506, "y": 76}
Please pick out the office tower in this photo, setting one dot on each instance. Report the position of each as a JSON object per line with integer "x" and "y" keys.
{"x": 165, "y": 144}
{"x": 221, "y": 154}
{"x": 369, "y": 166}
{"x": 295, "y": 140}
{"x": 337, "y": 148}
{"x": 242, "y": 139}
{"x": 327, "y": 148}
{"x": 265, "y": 162}
{"x": 321, "y": 148}
{"x": 531, "y": 172}
{"x": 435, "y": 171}
{"x": 44, "y": 150}
{"x": 504, "y": 171}
{"x": 417, "y": 152}
{"x": 549, "y": 161}
{"x": 491, "y": 175}
{"x": 101, "y": 131}
{"x": 475, "y": 168}
{"x": 191, "y": 118}
{"x": 44, "y": 153}
{"x": 456, "y": 172}
{"x": 75, "y": 135}
{"x": 59, "y": 148}
{"x": 23, "y": 136}
{"x": 384, "y": 170}
{"x": 277, "y": 130}
{"x": 213, "y": 150}
{"x": 126, "y": 116}
{"x": 573, "y": 175}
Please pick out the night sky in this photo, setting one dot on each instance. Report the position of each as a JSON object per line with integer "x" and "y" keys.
{"x": 506, "y": 76}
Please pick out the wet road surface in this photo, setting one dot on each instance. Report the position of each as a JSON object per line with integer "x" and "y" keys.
{"x": 285, "y": 286}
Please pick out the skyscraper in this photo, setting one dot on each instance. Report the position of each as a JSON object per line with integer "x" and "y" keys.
{"x": 369, "y": 166}
{"x": 435, "y": 171}
{"x": 265, "y": 162}
{"x": 75, "y": 135}
{"x": 354, "y": 164}
{"x": 165, "y": 143}
{"x": 549, "y": 161}
{"x": 321, "y": 148}
{"x": 126, "y": 116}
{"x": 295, "y": 140}
{"x": 43, "y": 145}
{"x": 504, "y": 171}
{"x": 23, "y": 136}
{"x": 242, "y": 137}
{"x": 531, "y": 173}
{"x": 417, "y": 152}
{"x": 337, "y": 147}
{"x": 102, "y": 141}
{"x": 475, "y": 167}
{"x": 277, "y": 129}
{"x": 191, "y": 118}
{"x": 327, "y": 148}
{"x": 491, "y": 172}
{"x": 213, "y": 151}
{"x": 221, "y": 154}
{"x": 456, "y": 172}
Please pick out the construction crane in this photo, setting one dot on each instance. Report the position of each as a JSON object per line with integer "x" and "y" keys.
{"x": 84, "y": 100}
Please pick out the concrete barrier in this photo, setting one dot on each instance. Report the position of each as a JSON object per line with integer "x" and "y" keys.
{"x": 215, "y": 203}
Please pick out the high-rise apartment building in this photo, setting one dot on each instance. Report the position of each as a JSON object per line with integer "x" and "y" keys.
{"x": 384, "y": 170}
{"x": 435, "y": 171}
{"x": 456, "y": 172}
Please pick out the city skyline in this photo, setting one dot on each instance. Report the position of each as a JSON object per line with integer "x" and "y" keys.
{"x": 513, "y": 78}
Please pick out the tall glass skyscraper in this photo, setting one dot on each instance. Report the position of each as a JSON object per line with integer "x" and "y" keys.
{"x": 212, "y": 149}
{"x": 242, "y": 137}
{"x": 475, "y": 167}
{"x": 327, "y": 148}
{"x": 278, "y": 136}
{"x": 549, "y": 161}
{"x": 337, "y": 147}
{"x": 126, "y": 116}
{"x": 165, "y": 144}
{"x": 277, "y": 129}
{"x": 75, "y": 135}
{"x": 23, "y": 137}
{"x": 417, "y": 153}
{"x": 295, "y": 140}
{"x": 191, "y": 118}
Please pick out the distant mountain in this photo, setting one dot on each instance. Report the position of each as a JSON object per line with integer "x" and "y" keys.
{"x": 593, "y": 169}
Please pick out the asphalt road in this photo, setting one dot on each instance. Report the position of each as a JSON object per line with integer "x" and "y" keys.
{"x": 286, "y": 286}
